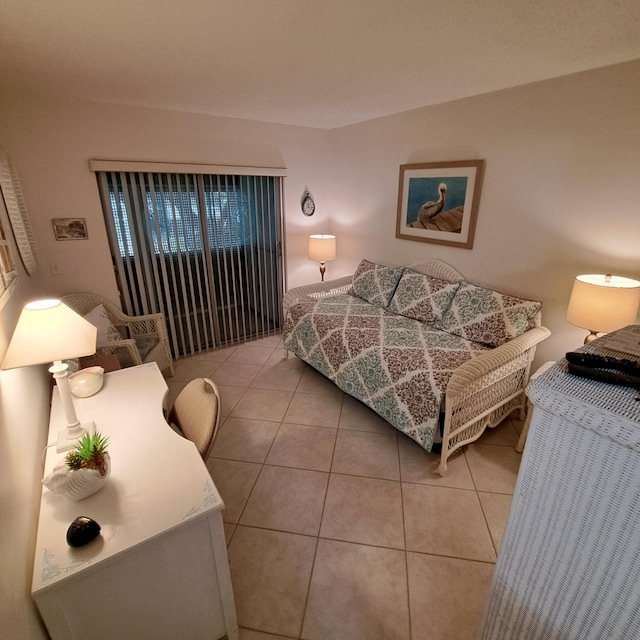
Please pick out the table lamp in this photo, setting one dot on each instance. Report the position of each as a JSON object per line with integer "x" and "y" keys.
{"x": 49, "y": 331}
{"x": 603, "y": 303}
{"x": 322, "y": 247}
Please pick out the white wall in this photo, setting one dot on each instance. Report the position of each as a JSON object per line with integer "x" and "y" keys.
{"x": 24, "y": 419}
{"x": 560, "y": 193}
{"x": 51, "y": 142}
{"x": 561, "y": 196}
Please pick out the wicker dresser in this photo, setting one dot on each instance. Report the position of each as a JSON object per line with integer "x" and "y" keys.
{"x": 569, "y": 565}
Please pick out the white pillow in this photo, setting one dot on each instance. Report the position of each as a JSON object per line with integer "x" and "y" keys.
{"x": 106, "y": 331}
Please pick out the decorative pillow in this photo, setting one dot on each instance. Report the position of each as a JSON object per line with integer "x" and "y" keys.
{"x": 422, "y": 297}
{"x": 375, "y": 283}
{"x": 488, "y": 317}
{"x": 107, "y": 332}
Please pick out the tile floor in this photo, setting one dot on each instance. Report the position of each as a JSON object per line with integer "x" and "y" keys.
{"x": 337, "y": 525}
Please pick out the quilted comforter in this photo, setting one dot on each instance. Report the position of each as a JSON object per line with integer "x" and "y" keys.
{"x": 397, "y": 366}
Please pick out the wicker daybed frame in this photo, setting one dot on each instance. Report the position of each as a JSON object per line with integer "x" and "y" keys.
{"x": 483, "y": 391}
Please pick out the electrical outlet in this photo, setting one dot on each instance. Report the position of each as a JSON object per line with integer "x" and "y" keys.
{"x": 55, "y": 268}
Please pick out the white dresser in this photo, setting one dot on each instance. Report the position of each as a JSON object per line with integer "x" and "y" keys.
{"x": 159, "y": 569}
{"x": 569, "y": 564}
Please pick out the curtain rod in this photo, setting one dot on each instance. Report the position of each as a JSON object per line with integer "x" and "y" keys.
{"x": 183, "y": 167}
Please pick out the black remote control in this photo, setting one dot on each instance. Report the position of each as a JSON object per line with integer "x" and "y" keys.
{"x": 620, "y": 378}
{"x": 593, "y": 361}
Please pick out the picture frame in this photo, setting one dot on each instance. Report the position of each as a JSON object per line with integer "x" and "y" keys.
{"x": 438, "y": 202}
{"x": 70, "y": 228}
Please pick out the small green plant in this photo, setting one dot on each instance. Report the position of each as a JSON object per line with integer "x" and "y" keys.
{"x": 89, "y": 453}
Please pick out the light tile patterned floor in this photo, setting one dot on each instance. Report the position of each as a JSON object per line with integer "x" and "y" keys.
{"x": 337, "y": 526}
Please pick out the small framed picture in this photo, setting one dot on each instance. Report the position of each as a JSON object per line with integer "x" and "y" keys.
{"x": 70, "y": 228}
{"x": 438, "y": 202}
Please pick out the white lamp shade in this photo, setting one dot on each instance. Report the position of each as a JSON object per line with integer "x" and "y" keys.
{"x": 48, "y": 330}
{"x": 322, "y": 247}
{"x": 603, "y": 303}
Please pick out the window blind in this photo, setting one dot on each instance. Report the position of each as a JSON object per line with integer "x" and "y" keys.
{"x": 203, "y": 249}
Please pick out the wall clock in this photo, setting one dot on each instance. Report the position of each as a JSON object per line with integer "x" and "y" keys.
{"x": 307, "y": 204}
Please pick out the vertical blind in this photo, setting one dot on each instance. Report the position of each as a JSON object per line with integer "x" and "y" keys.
{"x": 205, "y": 250}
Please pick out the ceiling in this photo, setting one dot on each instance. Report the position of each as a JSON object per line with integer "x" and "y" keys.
{"x": 314, "y": 63}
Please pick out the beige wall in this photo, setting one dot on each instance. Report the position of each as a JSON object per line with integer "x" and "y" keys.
{"x": 51, "y": 142}
{"x": 24, "y": 415}
{"x": 561, "y": 196}
{"x": 560, "y": 193}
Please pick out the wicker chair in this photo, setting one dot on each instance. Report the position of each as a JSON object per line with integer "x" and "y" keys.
{"x": 196, "y": 414}
{"x": 146, "y": 340}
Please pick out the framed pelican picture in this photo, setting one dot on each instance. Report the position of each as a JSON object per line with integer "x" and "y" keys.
{"x": 438, "y": 202}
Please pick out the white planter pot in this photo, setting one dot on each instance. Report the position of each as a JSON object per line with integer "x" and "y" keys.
{"x": 76, "y": 484}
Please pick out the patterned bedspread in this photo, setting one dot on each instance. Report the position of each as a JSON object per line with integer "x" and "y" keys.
{"x": 397, "y": 366}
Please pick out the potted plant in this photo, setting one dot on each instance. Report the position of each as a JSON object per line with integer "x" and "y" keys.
{"x": 84, "y": 470}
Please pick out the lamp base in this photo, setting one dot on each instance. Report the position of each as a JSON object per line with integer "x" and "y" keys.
{"x": 68, "y": 438}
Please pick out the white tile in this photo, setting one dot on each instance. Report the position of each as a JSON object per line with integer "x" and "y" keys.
{"x": 362, "y": 453}
{"x": 314, "y": 409}
{"x": 357, "y": 416}
{"x": 445, "y": 521}
{"x": 364, "y": 510}
{"x": 314, "y": 382}
{"x": 270, "y": 572}
{"x": 304, "y": 447}
{"x": 324, "y": 472}
{"x": 263, "y": 404}
{"x": 419, "y": 466}
{"x": 277, "y": 377}
{"x": 250, "y": 354}
{"x": 235, "y": 374}
{"x": 244, "y": 439}
{"x": 446, "y": 596}
{"x": 496, "y": 508}
{"x": 357, "y": 592}
{"x": 287, "y": 499}
{"x": 234, "y": 480}
{"x": 494, "y": 468}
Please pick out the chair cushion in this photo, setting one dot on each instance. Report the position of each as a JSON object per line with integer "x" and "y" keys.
{"x": 145, "y": 345}
{"x": 375, "y": 283}
{"x": 422, "y": 297}
{"x": 488, "y": 317}
{"x": 99, "y": 317}
{"x": 196, "y": 413}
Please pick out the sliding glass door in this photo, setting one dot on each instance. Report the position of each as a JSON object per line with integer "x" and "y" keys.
{"x": 205, "y": 250}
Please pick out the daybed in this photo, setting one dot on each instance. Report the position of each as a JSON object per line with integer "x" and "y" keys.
{"x": 436, "y": 356}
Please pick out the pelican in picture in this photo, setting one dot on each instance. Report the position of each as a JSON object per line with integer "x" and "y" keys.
{"x": 430, "y": 210}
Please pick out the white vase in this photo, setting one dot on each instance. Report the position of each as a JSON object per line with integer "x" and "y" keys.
{"x": 76, "y": 484}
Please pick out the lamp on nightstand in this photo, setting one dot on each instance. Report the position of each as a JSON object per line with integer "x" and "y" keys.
{"x": 49, "y": 331}
{"x": 322, "y": 248}
{"x": 603, "y": 303}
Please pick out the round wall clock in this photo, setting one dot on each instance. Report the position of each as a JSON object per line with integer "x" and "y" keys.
{"x": 308, "y": 205}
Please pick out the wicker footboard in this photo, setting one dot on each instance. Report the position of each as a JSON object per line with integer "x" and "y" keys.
{"x": 485, "y": 390}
